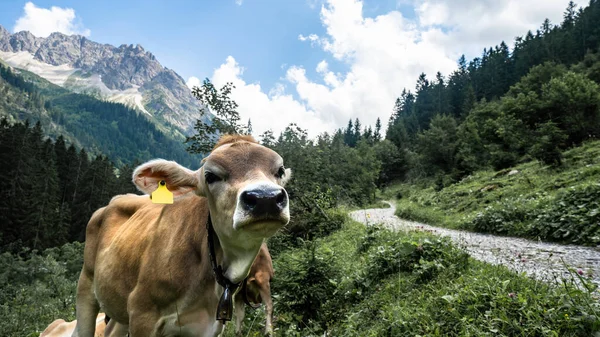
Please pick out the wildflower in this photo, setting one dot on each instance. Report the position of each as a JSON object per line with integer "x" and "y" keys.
{"x": 567, "y": 316}
{"x": 579, "y": 271}
{"x": 511, "y": 295}
{"x": 523, "y": 260}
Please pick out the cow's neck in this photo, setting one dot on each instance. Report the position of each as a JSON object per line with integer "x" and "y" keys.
{"x": 235, "y": 258}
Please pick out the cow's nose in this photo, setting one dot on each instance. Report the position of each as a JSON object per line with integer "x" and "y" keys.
{"x": 264, "y": 201}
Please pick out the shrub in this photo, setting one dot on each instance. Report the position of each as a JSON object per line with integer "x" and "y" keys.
{"x": 574, "y": 216}
{"x": 38, "y": 288}
{"x": 304, "y": 285}
{"x": 505, "y": 218}
{"x": 423, "y": 257}
{"x": 550, "y": 139}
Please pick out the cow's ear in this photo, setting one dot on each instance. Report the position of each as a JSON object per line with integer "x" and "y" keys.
{"x": 286, "y": 177}
{"x": 179, "y": 179}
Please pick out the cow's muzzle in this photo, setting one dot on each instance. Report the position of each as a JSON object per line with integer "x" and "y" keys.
{"x": 264, "y": 202}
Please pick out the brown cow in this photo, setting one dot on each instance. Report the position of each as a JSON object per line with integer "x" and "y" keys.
{"x": 149, "y": 266}
{"x": 61, "y": 328}
{"x": 257, "y": 290}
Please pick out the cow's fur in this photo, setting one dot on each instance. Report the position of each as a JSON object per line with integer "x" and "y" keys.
{"x": 258, "y": 290}
{"x": 147, "y": 265}
{"x": 61, "y": 328}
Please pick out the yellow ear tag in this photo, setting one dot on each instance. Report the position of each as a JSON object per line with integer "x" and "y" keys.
{"x": 162, "y": 195}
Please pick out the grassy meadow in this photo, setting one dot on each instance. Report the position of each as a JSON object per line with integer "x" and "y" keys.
{"x": 531, "y": 200}
{"x": 363, "y": 281}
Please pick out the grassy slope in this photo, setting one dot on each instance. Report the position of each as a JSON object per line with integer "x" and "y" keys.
{"x": 442, "y": 293}
{"x": 508, "y": 204}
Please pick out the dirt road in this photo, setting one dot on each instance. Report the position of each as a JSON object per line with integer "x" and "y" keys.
{"x": 538, "y": 259}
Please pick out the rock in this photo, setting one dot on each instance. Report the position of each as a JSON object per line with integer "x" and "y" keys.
{"x": 127, "y": 67}
{"x": 489, "y": 188}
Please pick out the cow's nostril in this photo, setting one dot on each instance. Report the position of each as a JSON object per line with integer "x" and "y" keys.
{"x": 280, "y": 199}
{"x": 264, "y": 201}
{"x": 250, "y": 198}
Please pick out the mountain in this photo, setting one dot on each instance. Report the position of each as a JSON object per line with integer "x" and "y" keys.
{"x": 126, "y": 74}
{"x": 98, "y": 126}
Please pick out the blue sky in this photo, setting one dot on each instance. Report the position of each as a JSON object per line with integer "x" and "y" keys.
{"x": 314, "y": 62}
{"x": 195, "y": 37}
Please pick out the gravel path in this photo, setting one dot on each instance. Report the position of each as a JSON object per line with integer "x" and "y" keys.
{"x": 538, "y": 259}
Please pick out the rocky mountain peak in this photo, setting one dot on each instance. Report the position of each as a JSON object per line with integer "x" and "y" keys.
{"x": 124, "y": 71}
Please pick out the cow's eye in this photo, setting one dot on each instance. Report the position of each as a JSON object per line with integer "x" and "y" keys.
{"x": 280, "y": 172}
{"x": 211, "y": 177}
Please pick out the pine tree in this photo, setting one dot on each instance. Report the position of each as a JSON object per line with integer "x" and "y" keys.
{"x": 377, "y": 133}
{"x": 349, "y": 134}
{"x": 357, "y": 133}
{"x": 267, "y": 138}
{"x": 249, "y": 127}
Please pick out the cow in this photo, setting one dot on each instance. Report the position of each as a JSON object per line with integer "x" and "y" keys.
{"x": 171, "y": 269}
{"x": 61, "y": 328}
{"x": 256, "y": 290}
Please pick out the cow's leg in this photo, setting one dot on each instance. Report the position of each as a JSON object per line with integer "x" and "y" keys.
{"x": 142, "y": 314}
{"x": 142, "y": 324}
{"x": 239, "y": 314}
{"x": 87, "y": 307}
{"x": 265, "y": 293}
{"x": 114, "y": 329}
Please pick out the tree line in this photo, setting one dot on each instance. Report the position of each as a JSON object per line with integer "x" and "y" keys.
{"x": 497, "y": 110}
{"x": 49, "y": 190}
{"x": 504, "y": 107}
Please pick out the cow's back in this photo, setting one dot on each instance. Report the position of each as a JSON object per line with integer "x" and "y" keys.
{"x": 263, "y": 263}
{"x": 133, "y": 242}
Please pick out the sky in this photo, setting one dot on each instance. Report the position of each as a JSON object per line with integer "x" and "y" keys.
{"x": 316, "y": 63}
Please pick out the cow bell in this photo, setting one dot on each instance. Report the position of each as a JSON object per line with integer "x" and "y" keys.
{"x": 225, "y": 307}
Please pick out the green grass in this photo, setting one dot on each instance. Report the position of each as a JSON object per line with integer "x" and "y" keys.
{"x": 372, "y": 282}
{"x": 518, "y": 204}
{"x": 357, "y": 281}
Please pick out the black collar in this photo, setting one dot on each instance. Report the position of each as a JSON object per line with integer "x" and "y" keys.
{"x": 225, "y": 307}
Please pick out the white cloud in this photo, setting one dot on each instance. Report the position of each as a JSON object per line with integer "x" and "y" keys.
{"x": 193, "y": 82}
{"x": 383, "y": 54}
{"x": 472, "y": 25}
{"x": 239, "y": 2}
{"x": 274, "y": 110}
{"x": 311, "y": 37}
{"x": 42, "y": 22}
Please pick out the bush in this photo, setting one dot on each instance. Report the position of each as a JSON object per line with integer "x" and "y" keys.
{"x": 550, "y": 139}
{"x": 304, "y": 285}
{"x": 505, "y": 218}
{"x": 38, "y": 288}
{"x": 423, "y": 257}
{"x": 574, "y": 217}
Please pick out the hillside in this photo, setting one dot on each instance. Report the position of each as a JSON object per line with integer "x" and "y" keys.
{"x": 101, "y": 127}
{"x": 126, "y": 74}
{"x": 530, "y": 200}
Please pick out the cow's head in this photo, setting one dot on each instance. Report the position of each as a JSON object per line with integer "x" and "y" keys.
{"x": 244, "y": 184}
